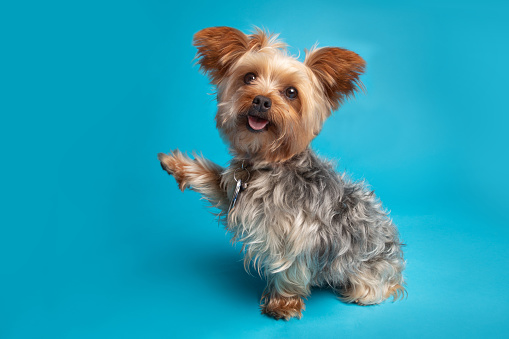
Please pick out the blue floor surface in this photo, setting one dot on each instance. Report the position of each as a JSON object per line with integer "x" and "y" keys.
{"x": 97, "y": 241}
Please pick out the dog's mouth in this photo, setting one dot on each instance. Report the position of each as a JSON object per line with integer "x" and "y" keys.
{"x": 257, "y": 121}
{"x": 257, "y": 124}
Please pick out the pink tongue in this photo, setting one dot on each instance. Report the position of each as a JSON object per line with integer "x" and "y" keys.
{"x": 257, "y": 123}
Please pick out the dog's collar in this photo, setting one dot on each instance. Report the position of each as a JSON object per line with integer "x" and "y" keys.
{"x": 249, "y": 166}
{"x": 242, "y": 169}
{"x": 241, "y": 184}
{"x": 241, "y": 175}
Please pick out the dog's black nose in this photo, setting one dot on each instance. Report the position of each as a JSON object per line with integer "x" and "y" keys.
{"x": 261, "y": 103}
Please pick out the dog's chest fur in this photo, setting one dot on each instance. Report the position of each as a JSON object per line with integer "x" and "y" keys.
{"x": 286, "y": 211}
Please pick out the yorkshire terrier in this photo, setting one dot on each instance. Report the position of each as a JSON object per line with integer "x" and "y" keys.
{"x": 301, "y": 224}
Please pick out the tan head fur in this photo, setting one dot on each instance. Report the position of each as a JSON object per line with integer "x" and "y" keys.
{"x": 296, "y": 97}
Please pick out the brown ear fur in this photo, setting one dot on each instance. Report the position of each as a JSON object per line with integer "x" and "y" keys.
{"x": 338, "y": 70}
{"x": 218, "y": 49}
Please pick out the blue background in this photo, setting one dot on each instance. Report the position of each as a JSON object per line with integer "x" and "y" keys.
{"x": 97, "y": 241}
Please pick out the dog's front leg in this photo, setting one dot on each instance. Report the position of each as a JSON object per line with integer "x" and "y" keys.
{"x": 283, "y": 297}
{"x": 199, "y": 174}
{"x": 279, "y": 306}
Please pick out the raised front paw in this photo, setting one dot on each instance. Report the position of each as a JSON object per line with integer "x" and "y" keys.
{"x": 175, "y": 164}
{"x": 279, "y": 307}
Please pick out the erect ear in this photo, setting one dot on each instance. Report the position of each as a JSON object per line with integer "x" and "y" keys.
{"x": 338, "y": 71}
{"x": 218, "y": 49}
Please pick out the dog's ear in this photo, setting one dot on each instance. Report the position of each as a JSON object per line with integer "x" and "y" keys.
{"x": 337, "y": 70}
{"x": 218, "y": 49}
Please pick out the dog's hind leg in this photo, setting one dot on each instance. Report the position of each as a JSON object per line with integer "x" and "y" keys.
{"x": 374, "y": 283}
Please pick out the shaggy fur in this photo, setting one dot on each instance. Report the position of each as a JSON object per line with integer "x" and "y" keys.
{"x": 301, "y": 224}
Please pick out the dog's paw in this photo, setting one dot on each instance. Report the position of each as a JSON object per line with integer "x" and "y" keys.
{"x": 167, "y": 162}
{"x": 283, "y": 308}
{"x": 174, "y": 163}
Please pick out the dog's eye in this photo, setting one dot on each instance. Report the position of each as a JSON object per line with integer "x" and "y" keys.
{"x": 249, "y": 78}
{"x": 291, "y": 92}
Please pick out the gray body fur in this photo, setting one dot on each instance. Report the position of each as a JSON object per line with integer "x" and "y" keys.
{"x": 303, "y": 225}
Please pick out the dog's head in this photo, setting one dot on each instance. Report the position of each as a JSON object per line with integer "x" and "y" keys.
{"x": 270, "y": 105}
